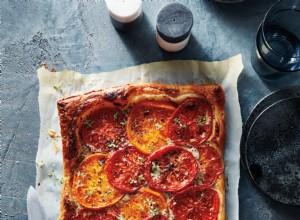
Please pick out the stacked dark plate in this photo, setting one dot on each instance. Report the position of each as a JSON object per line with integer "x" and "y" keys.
{"x": 270, "y": 146}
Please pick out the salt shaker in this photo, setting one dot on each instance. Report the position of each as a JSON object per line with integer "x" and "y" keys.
{"x": 125, "y": 14}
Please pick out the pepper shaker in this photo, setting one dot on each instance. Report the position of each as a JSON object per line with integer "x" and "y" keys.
{"x": 173, "y": 26}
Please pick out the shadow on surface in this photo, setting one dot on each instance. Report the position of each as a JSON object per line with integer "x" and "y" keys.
{"x": 140, "y": 42}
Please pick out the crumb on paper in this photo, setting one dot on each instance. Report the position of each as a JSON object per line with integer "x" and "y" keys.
{"x": 61, "y": 180}
{"x": 226, "y": 184}
{"x": 45, "y": 65}
{"x": 52, "y": 133}
{"x": 53, "y": 70}
{"x": 57, "y": 180}
{"x": 81, "y": 80}
{"x": 55, "y": 147}
{"x": 40, "y": 164}
{"x": 58, "y": 88}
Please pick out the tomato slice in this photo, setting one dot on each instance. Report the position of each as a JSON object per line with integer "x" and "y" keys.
{"x": 171, "y": 169}
{"x": 196, "y": 202}
{"x": 210, "y": 166}
{"x": 145, "y": 203}
{"x": 91, "y": 186}
{"x": 146, "y": 127}
{"x": 125, "y": 169}
{"x": 191, "y": 122}
{"x": 86, "y": 214}
{"x": 104, "y": 130}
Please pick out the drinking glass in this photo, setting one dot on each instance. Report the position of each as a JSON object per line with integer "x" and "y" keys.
{"x": 278, "y": 41}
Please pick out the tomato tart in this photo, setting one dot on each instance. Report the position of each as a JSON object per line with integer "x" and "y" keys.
{"x": 144, "y": 151}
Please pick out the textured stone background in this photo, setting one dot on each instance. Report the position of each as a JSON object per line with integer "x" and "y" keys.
{"x": 78, "y": 35}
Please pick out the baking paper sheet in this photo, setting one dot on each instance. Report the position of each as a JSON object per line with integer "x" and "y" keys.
{"x": 56, "y": 85}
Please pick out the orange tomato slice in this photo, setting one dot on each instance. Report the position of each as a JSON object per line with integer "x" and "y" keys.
{"x": 146, "y": 127}
{"x": 90, "y": 184}
{"x": 144, "y": 204}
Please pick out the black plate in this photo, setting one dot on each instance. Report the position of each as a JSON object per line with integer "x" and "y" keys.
{"x": 270, "y": 146}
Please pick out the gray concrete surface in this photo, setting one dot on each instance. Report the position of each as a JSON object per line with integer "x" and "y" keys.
{"x": 78, "y": 35}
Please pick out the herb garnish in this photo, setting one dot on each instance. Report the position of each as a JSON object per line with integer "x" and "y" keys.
{"x": 155, "y": 171}
{"x": 202, "y": 120}
{"x": 177, "y": 121}
{"x": 116, "y": 116}
{"x": 88, "y": 122}
{"x": 58, "y": 88}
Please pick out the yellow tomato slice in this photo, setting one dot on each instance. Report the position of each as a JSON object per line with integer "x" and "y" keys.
{"x": 90, "y": 184}
{"x": 145, "y": 203}
{"x": 146, "y": 127}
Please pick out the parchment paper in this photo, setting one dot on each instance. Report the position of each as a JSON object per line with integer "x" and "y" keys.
{"x": 55, "y": 85}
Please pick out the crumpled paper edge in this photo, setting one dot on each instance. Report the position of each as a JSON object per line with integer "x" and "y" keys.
{"x": 56, "y": 85}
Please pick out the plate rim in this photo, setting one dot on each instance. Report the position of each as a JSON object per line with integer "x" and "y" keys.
{"x": 262, "y": 105}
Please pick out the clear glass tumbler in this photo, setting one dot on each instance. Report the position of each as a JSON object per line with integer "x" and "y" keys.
{"x": 278, "y": 41}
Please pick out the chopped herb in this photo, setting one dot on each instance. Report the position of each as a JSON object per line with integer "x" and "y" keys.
{"x": 123, "y": 122}
{"x": 153, "y": 146}
{"x": 89, "y": 193}
{"x": 181, "y": 159}
{"x": 142, "y": 208}
{"x": 177, "y": 121}
{"x": 169, "y": 141}
{"x": 116, "y": 116}
{"x": 107, "y": 193}
{"x": 125, "y": 111}
{"x": 61, "y": 180}
{"x": 153, "y": 207}
{"x": 79, "y": 184}
{"x": 141, "y": 160}
{"x": 40, "y": 164}
{"x": 100, "y": 162}
{"x": 155, "y": 171}
{"x": 80, "y": 174}
{"x": 141, "y": 178}
{"x": 164, "y": 212}
{"x": 88, "y": 122}
{"x": 111, "y": 145}
{"x": 158, "y": 126}
{"x": 154, "y": 211}
{"x": 202, "y": 120}
{"x": 120, "y": 217}
{"x": 150, "y": 119}
{"x": 58, "y": 88}
{"x": 132, "y": 181}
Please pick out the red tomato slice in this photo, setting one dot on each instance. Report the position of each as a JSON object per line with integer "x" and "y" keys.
{"x": 210, "y": 166}
{"x": 104, "y": 130}
{"x": 191, "y": 122}
{"x": 85, "y": 214}
{"x": 146, "y": 127}
{"x": 171, "y": 169}
{"x": 196, "y": 202}
{"x": 125, "y": 169}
